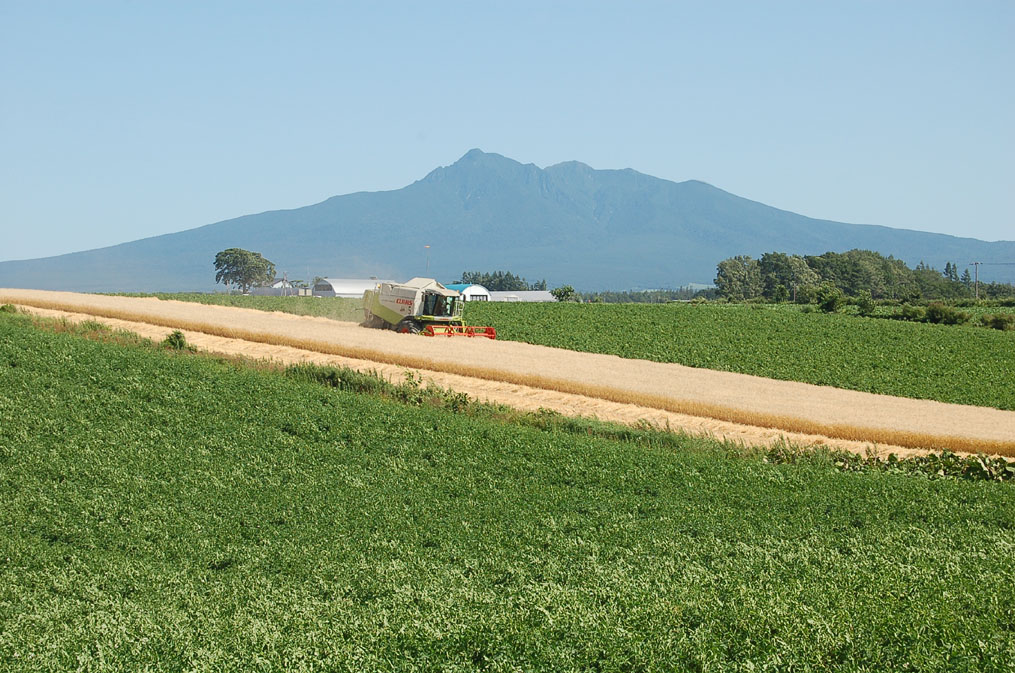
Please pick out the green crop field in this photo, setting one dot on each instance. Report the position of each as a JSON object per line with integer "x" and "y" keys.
{"x": 167, "y": 511}
{"x": 961, "y": 364}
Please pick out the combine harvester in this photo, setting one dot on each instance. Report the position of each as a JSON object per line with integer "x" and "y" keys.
{"x": 419, "y": 306}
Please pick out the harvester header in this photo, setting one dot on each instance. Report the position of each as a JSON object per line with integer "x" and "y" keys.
{"x": 419, "y": 306}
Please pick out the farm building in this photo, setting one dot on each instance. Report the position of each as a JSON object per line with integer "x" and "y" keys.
{"x": 470, "y": 292}
{"x": 522, "y": 295}
{"x": 280, "y": 287}
{"x": 346, "y": 287}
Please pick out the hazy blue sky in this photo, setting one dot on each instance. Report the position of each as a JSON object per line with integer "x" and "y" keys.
{"x": 122, "y": 120}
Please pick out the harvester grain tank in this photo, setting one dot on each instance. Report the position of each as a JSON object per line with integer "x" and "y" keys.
{"x": 419, "y": 306}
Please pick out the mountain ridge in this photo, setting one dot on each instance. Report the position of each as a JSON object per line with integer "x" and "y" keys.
{"x": 570, "y": 223}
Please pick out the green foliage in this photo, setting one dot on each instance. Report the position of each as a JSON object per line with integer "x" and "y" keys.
{"x": 914, "y": 313}
{"x": 781, "y": 273}
{"x": 961, "y": 364}
{"x": 933, "y": 465}
{"x": 411, "y": 392}
{"x": 565, "y": 293}
{"x": 996, "y": 291}
{"x": 236, "y": 266}
{"x": 942, "y": 314}
{"x": 649, "y": 296}
{"x": 829, "y": 298}
{"x": 8, "y": 308}
{"x": 739, "y": 278}
{"x": 500, "y": 281}
{"x": 1001, "y": 321}
{"x": 855, "y": 270}
{"x": 865, "y": 303}
{"x": 176, "y": 341}
{"x": 149, "y": 526}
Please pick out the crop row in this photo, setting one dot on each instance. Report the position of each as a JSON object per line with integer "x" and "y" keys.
{"x": 161, "y": 510}
{"x": 965, "y": 365}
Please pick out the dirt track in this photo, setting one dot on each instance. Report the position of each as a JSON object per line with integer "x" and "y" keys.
{"x": 530, "y": 377}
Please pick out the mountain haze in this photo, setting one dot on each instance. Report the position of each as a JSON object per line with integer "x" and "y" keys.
{"x": 568, "y": 223}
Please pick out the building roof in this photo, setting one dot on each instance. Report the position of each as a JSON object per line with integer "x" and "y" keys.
{"x": 462, "y": 287}
{"x": 351, "y": 286}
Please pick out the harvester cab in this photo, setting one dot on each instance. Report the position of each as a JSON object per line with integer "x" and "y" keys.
{"x": 419, "y": 306}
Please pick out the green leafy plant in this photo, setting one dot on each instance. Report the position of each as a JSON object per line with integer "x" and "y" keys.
{"x": 176, "y": 341}
{"x": 830, "y": 298}
{"x": 943, "y": 314}
{"x": 934, "y": 465}
{"x": 1001, "y": 321}
{"x": 565, "y": 293}
{"x": 865, "y": 303}
{"x": 913, "y": 313}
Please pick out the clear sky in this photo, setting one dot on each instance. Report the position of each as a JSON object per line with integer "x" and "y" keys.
{"x": 122, "y": 120}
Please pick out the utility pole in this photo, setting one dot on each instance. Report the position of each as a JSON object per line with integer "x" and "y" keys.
{"x": 976, "y": 276}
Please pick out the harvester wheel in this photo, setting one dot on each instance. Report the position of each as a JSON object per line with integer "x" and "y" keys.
{"x": 408, "y": 326}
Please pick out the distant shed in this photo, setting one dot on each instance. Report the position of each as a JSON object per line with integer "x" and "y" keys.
{"x": 350, "y": 288}
{"x": 523, "y": 295}
{"x": 470, "y": 291}
{"x": 280, "y": 287}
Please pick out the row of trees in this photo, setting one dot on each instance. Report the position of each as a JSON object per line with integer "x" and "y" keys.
{"x": 500, "y": 281}
{"x": 648, "y": 296}
{"x": 777, "y": 276}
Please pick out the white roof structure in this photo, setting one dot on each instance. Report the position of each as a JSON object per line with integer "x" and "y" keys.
{"x": 352, "y": 288}
{"x": 471, "y": 291}
{"x": 522, "y": 295}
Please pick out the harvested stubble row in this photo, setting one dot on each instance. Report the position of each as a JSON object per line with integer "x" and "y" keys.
{"x": 738, "y": 398}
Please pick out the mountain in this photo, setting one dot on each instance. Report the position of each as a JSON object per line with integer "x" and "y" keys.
{"x": 568, "y": 223}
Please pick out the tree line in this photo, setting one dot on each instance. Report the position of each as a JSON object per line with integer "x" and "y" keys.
{"x": 648, "y": 296}
{"x": 778, "y": 276}
{"x": 500, "y": 281}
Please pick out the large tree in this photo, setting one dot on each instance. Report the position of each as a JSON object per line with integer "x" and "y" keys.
{"x": 739, "y": 278}
{"x": 783, "y": 275}
{"x": 242, "y": 267}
